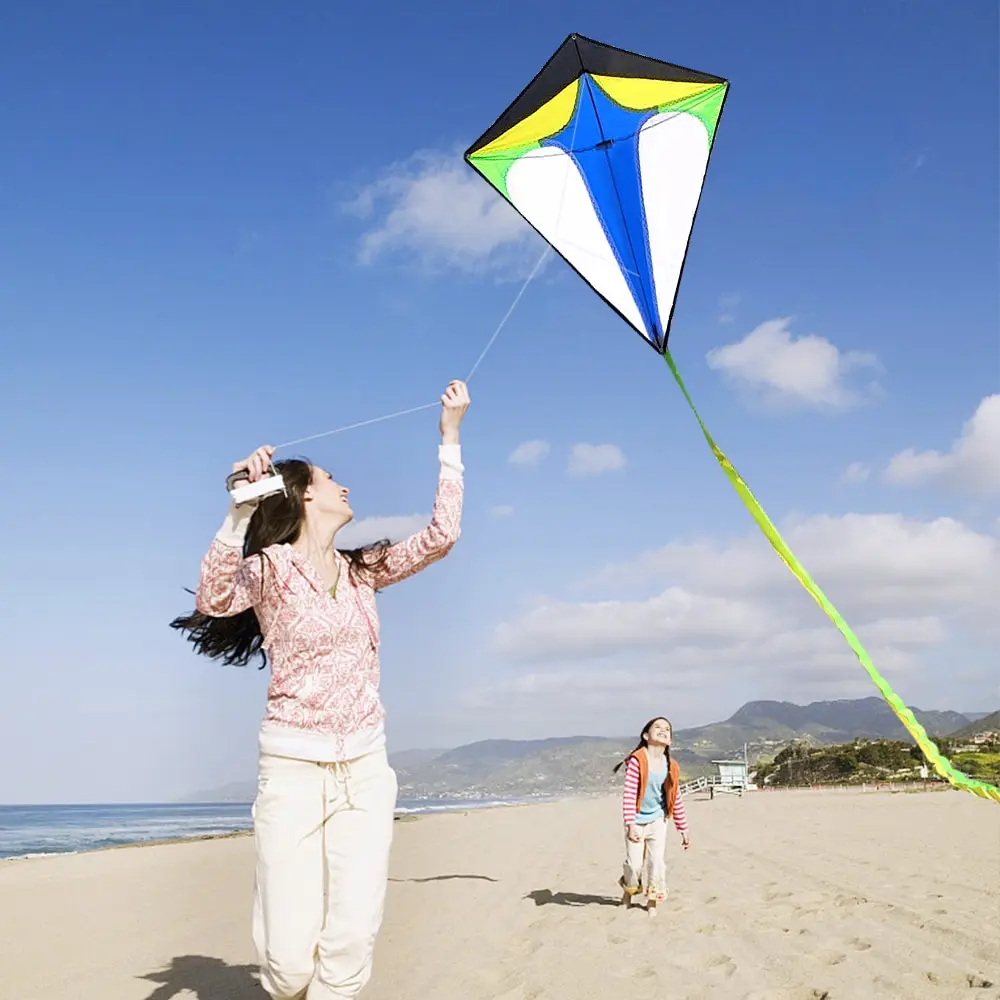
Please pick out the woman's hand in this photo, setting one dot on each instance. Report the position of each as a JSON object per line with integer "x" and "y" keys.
{"x": 256, "y": 464}
{"x": 632, "y": 832}
{"x": 685, "y": 840}
{"x": 454, "y": 403}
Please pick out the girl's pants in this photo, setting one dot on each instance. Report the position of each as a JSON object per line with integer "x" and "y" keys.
{"x": 645, "y": 861}
{"x": 323, "y": 833}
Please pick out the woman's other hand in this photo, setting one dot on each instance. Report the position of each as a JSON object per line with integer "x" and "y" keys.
{"x": 454, "y": 403}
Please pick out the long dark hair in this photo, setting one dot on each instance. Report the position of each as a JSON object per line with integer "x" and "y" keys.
{"x": 644, "y": 739}
{"x": 278, "y": 520}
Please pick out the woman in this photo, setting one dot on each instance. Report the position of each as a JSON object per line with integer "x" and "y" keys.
{"x": 273, "y": 584}
{"x": 650, "y": 797}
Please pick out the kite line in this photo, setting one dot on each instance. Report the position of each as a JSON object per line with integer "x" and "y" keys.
{"x": 496, "y": 333}
{"x": 428, "y": 406}
{"x": 940, "y": 763}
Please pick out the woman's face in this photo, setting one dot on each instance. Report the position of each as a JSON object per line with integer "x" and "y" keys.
{"x": 327, "y": 496}
{"x": 659, "y": 733}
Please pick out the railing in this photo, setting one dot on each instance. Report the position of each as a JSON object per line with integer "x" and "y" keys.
{"x": 689, "y": 787}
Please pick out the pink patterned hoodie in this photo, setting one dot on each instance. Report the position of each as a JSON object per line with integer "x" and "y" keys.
{"x": 323, "y": 699}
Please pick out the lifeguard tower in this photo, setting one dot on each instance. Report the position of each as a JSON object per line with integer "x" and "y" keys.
{"x": 733, "y": 776}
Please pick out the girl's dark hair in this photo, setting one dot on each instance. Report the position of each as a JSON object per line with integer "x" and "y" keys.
{"x": 278, "y": 520}
{"x": 643, "y": 739}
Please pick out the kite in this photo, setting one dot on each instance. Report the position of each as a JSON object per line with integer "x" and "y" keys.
{"x": 604, "y": 154}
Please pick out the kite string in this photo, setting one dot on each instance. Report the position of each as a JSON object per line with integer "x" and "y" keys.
{"x": 496, "y": 333}
{"x": 513, "y": 305}
{"x": 428, "y": 406}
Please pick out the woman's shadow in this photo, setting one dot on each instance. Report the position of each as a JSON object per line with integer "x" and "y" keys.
{"x": 207, "y": 979}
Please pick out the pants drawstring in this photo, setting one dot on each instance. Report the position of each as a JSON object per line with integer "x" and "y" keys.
{"x": 341, "y": 770}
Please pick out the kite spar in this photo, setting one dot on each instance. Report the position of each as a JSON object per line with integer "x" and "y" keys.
{"x": 604, "y": 154}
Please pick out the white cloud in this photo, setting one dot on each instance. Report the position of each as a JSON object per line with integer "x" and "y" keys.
{"x": 558, "y": 630}
{"x": 502, "y": 510}
{"x": 856, "y": 472}
{"x": 972, "y": 463}
{"x": 433, "y": 207}
{"x": 804, "y": 372}
{"x": 731, "y": 613}
{"x": 374, "y": 529}
{"x": 593, "y": 459}
{"x": 529, "y": 453}
{"x": 884, "y": 564}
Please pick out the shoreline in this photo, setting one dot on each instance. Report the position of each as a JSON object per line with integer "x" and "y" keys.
{"x": 411, "y": 815}
{"x": 404, "y": 815}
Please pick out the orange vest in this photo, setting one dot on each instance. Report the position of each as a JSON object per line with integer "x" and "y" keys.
{"x": 669, "y": 785}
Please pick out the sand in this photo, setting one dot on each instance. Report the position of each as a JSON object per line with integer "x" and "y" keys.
{"x": 783, "y": 896}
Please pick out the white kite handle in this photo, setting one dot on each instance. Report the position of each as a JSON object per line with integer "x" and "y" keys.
{"x": 248, "y": 492}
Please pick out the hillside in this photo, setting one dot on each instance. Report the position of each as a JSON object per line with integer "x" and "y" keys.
{"x": 866, "y": 761}
{"x": 583, "y": 764}
{"x": 506, "y": 769}
{"x": 985, "y": 724}
{"x": 766, "y": 724}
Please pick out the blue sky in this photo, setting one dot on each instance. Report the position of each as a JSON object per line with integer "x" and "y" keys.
{"x": 225, "y": 226}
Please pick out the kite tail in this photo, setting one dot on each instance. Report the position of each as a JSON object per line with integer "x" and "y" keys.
{"x": 940, "y": 763}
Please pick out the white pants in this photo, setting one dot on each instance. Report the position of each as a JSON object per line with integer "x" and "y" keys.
{"x": 645, "y": 867}
{"x": 323, "y": 833}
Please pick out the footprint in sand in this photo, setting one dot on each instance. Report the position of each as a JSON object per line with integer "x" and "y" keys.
{"x": 723, "y": 964}
{"x": 972, "y": 980}
{"x": 859, "y": 944}
{"x": 832, "y": 957}
{"x": 646, "y": 972}
{"x": 977, "y": 982}
{"x": 849, "y": 900}
{"x": 771, "y": 896}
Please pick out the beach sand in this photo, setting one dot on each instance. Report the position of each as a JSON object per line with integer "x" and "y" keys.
{"x": 795, "y": 895}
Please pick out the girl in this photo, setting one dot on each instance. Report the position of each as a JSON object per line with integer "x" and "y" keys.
{"x": 273, "y": 584}
{"x": 651, "y": 796}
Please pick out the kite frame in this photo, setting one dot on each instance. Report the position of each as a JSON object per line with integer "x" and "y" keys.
{"x": 651, "y": 69}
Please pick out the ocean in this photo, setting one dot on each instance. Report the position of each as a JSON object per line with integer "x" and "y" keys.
{"x": 36, "y": 831}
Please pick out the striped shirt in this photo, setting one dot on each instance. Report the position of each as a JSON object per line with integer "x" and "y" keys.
{"x": 631, "y": 791}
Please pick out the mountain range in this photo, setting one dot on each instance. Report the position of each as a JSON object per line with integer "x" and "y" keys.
{"x": 574, "y": 765}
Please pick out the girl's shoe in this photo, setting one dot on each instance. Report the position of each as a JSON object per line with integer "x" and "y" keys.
{"x": 627, "y": 893}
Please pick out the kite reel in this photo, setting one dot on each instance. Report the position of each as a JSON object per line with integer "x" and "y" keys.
{"x": 249, "y": 492}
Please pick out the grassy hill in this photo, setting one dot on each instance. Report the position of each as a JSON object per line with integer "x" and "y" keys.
{"x": 867, "y": 761}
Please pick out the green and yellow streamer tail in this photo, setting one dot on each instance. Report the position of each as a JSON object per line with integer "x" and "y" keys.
{"x": 940, "y": 763}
